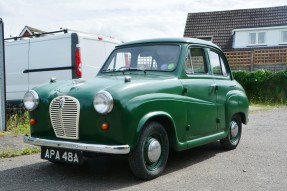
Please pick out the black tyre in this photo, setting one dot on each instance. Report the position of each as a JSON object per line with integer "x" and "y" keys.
{"x": 234, "y": 135}
{"x": 148, "y": 159}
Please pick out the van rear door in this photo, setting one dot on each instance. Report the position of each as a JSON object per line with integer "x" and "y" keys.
{"x": 94, "y": 51}
{"x": 93, "y": 56}
{"x": 16, "y": 56}
{"x": 50, "y": 57}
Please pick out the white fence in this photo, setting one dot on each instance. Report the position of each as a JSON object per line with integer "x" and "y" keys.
{"x": 2, "y": 80}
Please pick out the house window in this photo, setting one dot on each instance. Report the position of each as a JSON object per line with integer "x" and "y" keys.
{"x": 252, "y": 38}
{"x": 261, "y": 37}
{"x": 284, "y": 36}
{"x": 256, "y": 38}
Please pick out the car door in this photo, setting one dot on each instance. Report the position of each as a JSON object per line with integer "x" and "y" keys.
{"x": 200, "y": 92}
{"x": 222, "y": 79}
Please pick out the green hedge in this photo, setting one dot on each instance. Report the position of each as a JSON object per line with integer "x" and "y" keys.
{"x": 263, "y": 86}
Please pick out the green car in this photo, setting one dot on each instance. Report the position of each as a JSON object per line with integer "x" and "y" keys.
{"x": 150, "y": 96}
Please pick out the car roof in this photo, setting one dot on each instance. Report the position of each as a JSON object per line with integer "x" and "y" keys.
{"x": 170, "y": 40}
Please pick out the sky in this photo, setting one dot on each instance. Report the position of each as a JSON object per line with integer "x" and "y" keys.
{"x": 122, "y": 19}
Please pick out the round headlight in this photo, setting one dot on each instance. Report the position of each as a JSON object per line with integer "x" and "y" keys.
{"x": 31, "y": 100}
{"x": 103, "y": 102}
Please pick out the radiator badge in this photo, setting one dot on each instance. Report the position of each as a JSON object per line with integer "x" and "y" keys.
{"x": 61, "y": 103}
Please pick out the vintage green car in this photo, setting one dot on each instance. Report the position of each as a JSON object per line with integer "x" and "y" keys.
{"x": 150, "y": 96}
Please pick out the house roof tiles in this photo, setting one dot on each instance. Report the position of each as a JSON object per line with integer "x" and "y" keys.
{"x": 220, "y": 24}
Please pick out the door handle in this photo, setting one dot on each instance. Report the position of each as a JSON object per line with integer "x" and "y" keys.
{"x": 214, "y": 86}
{"x": 232, "y": 86}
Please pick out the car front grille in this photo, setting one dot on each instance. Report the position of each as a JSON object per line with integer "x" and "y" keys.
{"x": 64, "y": 114}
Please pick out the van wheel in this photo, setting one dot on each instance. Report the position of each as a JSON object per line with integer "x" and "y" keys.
{"x": 234, "y": 135}
{"x": 148, "y": 159}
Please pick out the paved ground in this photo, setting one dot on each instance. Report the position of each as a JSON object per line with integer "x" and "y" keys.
{"x": 11, "y": 143}
{"x": 259, "y": 163}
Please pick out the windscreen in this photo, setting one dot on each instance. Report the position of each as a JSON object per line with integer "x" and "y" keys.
{"x": 147, "y": 58}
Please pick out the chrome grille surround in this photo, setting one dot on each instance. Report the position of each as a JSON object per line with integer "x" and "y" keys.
{"x": 64, "y": 115}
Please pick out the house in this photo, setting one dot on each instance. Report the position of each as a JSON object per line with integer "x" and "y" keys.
{"x": 29, "y": 31}
{"x": 251, "y": 38}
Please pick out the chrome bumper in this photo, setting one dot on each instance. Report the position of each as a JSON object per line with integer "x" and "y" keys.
{"x": 109, "y": 149}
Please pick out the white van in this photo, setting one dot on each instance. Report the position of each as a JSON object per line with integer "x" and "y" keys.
{"x": 31, "y": 62}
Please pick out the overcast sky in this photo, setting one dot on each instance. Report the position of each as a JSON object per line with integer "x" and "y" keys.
{"x": 123, "y": 19}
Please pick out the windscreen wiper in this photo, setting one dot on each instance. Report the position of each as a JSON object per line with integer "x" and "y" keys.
{"x": 124, "y": 69}
{"x": 109, "y": 70}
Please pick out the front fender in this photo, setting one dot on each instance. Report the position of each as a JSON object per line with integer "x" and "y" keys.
{"x": 168, "y": 109}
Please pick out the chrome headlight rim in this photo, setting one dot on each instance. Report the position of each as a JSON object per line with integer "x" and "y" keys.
{"x": 106, "y": 104}
{"x": 35, "y": 100}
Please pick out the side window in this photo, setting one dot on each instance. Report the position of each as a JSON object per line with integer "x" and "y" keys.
{"x": 223, "y": 67}
{"x": 195, "y": 62}
{"x": 217, "y": 64}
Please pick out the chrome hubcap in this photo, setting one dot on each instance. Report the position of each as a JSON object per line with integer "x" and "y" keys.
{"x": 233, "y": 129}
{"x": 154, "y": 150}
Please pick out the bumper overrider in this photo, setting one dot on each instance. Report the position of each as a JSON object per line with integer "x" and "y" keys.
{"x": 108, "y": 149}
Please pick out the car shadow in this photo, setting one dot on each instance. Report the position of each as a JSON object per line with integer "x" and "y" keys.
{"x": 102, "y": 173}
{"x": 186, "y": 158}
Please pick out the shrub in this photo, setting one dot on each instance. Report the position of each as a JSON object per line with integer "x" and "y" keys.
{"x": 263, "y": 86}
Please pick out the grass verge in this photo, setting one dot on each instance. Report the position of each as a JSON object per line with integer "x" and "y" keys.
{"x": 17, "y": 123}
{"x": 263, "y": 107}
{"x": 9, "y": 152}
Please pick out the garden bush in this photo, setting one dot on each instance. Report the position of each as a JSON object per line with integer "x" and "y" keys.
{"x": 263, "y": 86}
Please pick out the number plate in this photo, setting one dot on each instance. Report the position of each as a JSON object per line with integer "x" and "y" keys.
{"x": 62, "y": 155}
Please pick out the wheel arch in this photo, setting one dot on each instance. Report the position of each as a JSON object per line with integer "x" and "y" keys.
{"x": 165, "y": 120}
{"x": 242, "y": 117}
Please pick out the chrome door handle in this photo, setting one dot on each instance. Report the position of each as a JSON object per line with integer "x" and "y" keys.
{"x": 214, "y": 86}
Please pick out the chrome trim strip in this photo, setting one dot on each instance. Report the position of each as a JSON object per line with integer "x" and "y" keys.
{"x": 108, "y": 149}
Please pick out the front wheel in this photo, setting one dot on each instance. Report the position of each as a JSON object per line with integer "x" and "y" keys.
{"x": 148, "y": 159}
{"x": 234, "y": 135}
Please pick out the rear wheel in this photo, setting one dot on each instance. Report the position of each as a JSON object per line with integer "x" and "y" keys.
{"x": 149, "y": 158}
{"x": 234, "y": 135}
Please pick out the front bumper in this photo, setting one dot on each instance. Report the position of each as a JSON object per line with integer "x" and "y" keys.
{"x": 108, "y": 149}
